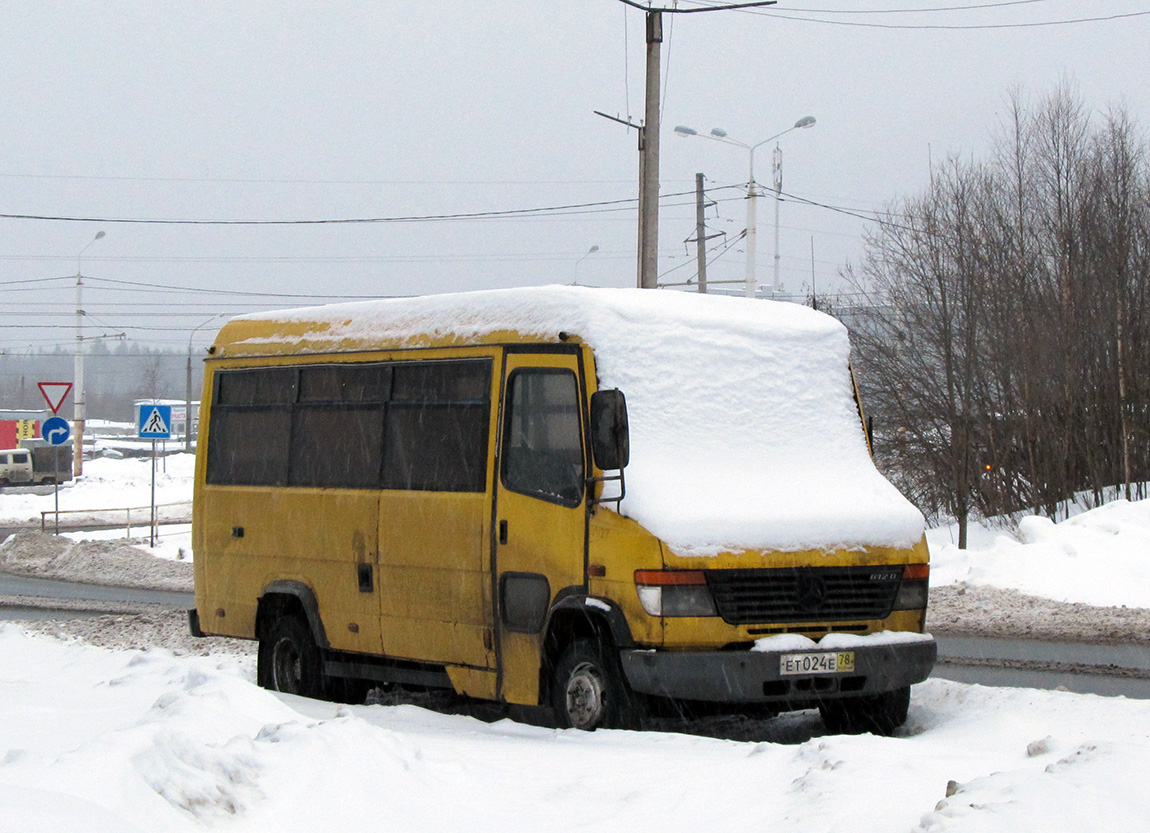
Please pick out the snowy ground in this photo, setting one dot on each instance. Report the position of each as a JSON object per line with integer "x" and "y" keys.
{"x": 97, "y": 740}
{"x": 118, "y": 738}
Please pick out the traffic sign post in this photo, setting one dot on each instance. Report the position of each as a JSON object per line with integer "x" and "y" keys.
{"x": 55, "y": 431}
{"x": 155, "y": 423}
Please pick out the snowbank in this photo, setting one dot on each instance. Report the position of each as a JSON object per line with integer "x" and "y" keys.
{"x": 1100, "y": 557}
{"x": 150, "y": 742}
{"x": 115, "y": 563}
{"x": 744, "y": 429}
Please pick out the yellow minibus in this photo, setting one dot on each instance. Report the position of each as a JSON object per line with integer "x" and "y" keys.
{"x": 586, "y": 500}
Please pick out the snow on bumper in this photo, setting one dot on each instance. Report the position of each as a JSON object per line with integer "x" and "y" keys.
{"x": 757, "y": 676}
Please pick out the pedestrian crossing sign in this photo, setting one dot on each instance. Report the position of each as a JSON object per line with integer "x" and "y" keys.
{"x": 155, "y": 422}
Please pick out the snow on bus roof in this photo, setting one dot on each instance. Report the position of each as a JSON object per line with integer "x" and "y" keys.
{"x": 744, "y": 428}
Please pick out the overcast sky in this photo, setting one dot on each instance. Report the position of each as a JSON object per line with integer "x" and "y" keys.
{"x": 301, "y": 111}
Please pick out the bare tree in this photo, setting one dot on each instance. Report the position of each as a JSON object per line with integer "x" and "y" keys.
{"x": 1008, "y": 305}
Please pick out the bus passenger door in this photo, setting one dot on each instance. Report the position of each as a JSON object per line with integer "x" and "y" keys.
{"x": 540, "y": 508}
{"x": 435, "y": 520}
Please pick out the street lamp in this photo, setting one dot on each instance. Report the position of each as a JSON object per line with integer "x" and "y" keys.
{"x": 590, "y": 252}
{"x": 78, "y": 366}
{"x": 717, "y": 134}
{"x": 188, "y": 401}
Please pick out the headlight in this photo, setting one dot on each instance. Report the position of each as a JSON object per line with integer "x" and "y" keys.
{"x": 914, "y": 588}
{"x": 674, "y": 593}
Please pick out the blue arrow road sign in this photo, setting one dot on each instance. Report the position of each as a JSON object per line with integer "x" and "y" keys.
{"x": 155, "y": 422}
{"x": 55, "y": 430}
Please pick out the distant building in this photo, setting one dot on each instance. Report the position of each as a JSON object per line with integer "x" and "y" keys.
{"x": 17, "y": 425}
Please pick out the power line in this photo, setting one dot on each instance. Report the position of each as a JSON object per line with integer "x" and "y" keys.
{"x": 34, "y": 280}
{"x": 513, "y": 257}
{"x": 248, "y": 181}
{"x": 155, "y": 287}
{"x": 719, "y": 7}
{"x": 553, "y": 210}
{"x": 937, "y": 26}
{"x": 934, "y": 9}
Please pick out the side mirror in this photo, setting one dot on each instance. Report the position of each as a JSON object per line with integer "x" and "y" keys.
{"x": 610, "y": 439}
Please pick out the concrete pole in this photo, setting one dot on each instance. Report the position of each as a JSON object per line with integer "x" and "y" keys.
{"x": 78, "y": 383}
{"x": 649, "y": 160}
{"x": 188, "y": 404}
{"x": 701, "y": 233}
{"x": 78, "y": 404}
{"x": 778, "y": 199}
{"x": 751, "y": 238}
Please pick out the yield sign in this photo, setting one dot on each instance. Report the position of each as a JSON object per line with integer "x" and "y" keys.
{"x": 54, "y": 392}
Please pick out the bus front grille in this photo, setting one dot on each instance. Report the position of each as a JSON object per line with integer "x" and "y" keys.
{"x": 818, "y": 594}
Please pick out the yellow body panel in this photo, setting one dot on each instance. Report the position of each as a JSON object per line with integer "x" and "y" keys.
{"x": 474, "y": 682}
{"x": 618, "y": 547}
{"x": 742, "y": 559}
{"x": 434, "y": 577}
{"x": 312, "y": 536}
{"x": 291, "y": 338}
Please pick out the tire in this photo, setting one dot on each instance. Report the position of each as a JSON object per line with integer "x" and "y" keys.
{"x": 879, "y": 714}
{"x": 588, "y": 691}
{"x": 290, "y": 661}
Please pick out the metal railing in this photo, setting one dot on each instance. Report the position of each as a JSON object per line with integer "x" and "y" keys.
{"x": 139, "y": 516}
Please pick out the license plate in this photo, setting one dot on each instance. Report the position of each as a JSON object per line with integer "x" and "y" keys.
{"x": 821, "y": 663}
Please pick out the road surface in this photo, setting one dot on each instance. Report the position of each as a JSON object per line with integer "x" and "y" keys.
{"x": 22, "y": 596}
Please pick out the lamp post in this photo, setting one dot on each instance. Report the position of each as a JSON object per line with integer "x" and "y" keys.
{"x": 717, "y": 134}
{"x": 78, "y": 367}
{"x": 590, "y": 252}
{"x": 188, "y": 401}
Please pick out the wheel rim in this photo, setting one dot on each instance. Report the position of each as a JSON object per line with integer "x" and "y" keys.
{"x": 585, "y": 697}
{"x": 286, "y": 667}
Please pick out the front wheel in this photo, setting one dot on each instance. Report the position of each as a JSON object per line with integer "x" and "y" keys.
{"x": 588, "y": 690}
{"x": 879, "y": 714}
{"x": 289, "y": 660}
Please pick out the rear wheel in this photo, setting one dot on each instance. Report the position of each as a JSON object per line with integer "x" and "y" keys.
{"x": 879, "y": 714}
{"x": 289, "y": 660}
{"x": 588, "y": 690}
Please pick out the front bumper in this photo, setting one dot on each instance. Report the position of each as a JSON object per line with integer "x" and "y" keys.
{"x": 755, "y": 677}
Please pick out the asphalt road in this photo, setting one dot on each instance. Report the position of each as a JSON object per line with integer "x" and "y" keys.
{"x": 12, "y": 585}
{"x": 1111, "y": 670}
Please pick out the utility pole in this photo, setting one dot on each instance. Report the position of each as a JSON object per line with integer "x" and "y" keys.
{"x": 649, "y": 159}
{"x": 649, "y": 136}
{"x": 78, "y": 396}
{"x": 751, "y": 240}
{"x": 701, "y": 233}
{"x": 778, "y": 198}
{"x": 814, "y": 292}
